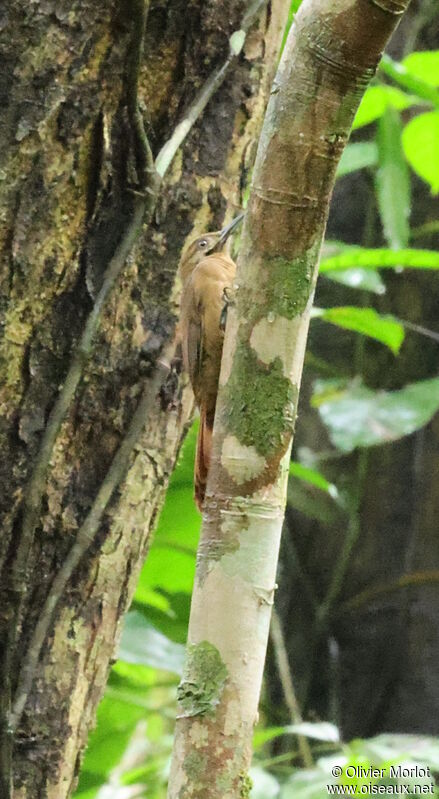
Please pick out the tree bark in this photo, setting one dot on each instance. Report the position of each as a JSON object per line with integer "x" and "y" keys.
{"x": 365, "y": 672}
{"x": 331, "y": 54}
{"x": 70, "y": 163}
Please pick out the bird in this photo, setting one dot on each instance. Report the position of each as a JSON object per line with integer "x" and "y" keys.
{"x": 207, "y": 274}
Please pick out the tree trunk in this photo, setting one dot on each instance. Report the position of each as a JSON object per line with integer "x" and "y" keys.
{"x": 366, "y": 672}
{"x": 69, "y": 177}
{"x": 331, "y": 54}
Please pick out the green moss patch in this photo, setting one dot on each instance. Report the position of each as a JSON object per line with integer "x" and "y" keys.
{"x": 260, "y": 402}
{"x": 203, "y": 680}
{"x": 288, "y": 285}
{"x": 245, "y": 786}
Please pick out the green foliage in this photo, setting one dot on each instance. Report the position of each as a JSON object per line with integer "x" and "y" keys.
{"x": 142, "y": 643}
{"x": 419, "y": 84}
{"x": 380, "y": 259}
{"x": 357, "y": 156}
{"x": 313, "y": 477}
{"x": 358, "y": 417}
{"x": 424, "y": 65}
{"x": 377, "y": 99}
{"x": 366, "y": 321}
{"x": 420, "y": 140}
{"x": 393, "y": 181}
{"x": 377, "y": 762}
{"x": 358, "y": 278}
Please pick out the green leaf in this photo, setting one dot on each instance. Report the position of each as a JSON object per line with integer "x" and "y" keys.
{"x": 357, "y": 156}
{"x": 116, "y": 722}
{"x": 314, "y": 504}
{"x": 357, "y": 278}
{"x": 236, "y": 42}
{"x": 265, "y": 786}
{"x": 89, "y": 785}
{"x": 170, "y": 566}
{"x": 366, "y": 321}
{"x": 393, "y": 181}
{"x": 167, "y": 569}
{"x": 409, "y": 80}
{"x": 143, "y": 644}
{"x": 358, "y": 417}
{"x": 375, "y": 101}
{"x": 263, "y": 735}
{"x": 422, "y": 748}
{"x": 310, "y": 784}
{"x": 321, "y": 731}
{"x": 172, "y": 622}
{"x": 313, "y": 477}
{"x": 420, "y": 140}
{"x": 425, "y": 65}
{"x": 381, "y": 259}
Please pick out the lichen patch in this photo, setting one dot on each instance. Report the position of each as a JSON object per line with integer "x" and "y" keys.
{"x": 242, "y": 463}
{"x": 203, "y": 680}
{"x": 275, "y": 337}
{"x": 199, "y": 734}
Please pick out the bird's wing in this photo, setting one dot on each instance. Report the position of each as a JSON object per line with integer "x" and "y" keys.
{"x": 194, "y": 352}
{"x": 190, "y": 331}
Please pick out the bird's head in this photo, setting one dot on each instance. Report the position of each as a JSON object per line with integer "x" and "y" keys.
{"x": 205, "y": 245}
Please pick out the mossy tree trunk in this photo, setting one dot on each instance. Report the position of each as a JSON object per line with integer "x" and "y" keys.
{"x": 330, "y": 56}
{"x": 68, "y": 183}
{"x": 362, "y": 665}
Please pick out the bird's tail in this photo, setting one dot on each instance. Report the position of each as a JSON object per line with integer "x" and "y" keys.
{"x": 202, "y": 456}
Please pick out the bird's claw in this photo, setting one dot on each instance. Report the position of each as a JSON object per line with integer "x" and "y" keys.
{"x": 227, "y": 299}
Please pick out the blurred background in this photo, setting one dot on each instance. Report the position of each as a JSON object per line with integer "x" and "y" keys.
{"x": 352, "y": 668}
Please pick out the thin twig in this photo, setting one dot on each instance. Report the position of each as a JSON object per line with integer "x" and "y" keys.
{"x": 427, "y": 229}
{"x": 324, "y": 611}
{"x": 213, "y": 83}
{"x": 142, "y": 149}
{"x": 85, "y": 537}
{"x": 283, "y": 667}
{"x": 420, "y": 329}
{"x": 342, "y": 564}
{"x": 368, "y": 595}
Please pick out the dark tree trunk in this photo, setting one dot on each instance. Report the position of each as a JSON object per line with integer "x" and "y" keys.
{"x": 67, "y": 175}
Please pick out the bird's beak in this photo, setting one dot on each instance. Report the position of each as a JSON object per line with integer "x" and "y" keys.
{"x": 228, "y": 229}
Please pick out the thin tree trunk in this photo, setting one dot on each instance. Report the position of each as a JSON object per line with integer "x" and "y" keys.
{"x": 372, "y": 681}
{"x": 331, "y": 54}
{"x": 75, "y": 190}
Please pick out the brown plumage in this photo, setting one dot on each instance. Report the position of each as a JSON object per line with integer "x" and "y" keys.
{"x": 207, "y": 271}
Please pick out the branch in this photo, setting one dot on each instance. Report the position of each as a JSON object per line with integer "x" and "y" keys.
{"x": 146, "y": 173}
{"x": 283, "y": 666}
{"x": 213, "y": 83}
{"x": 331, "y": 53}
{"x": 368, "y": 595}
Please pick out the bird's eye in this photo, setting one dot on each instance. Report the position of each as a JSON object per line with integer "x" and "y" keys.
{"x": 202, "y": 244}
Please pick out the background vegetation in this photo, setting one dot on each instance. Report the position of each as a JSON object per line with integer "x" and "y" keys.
{"x": 357, "y": 599}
